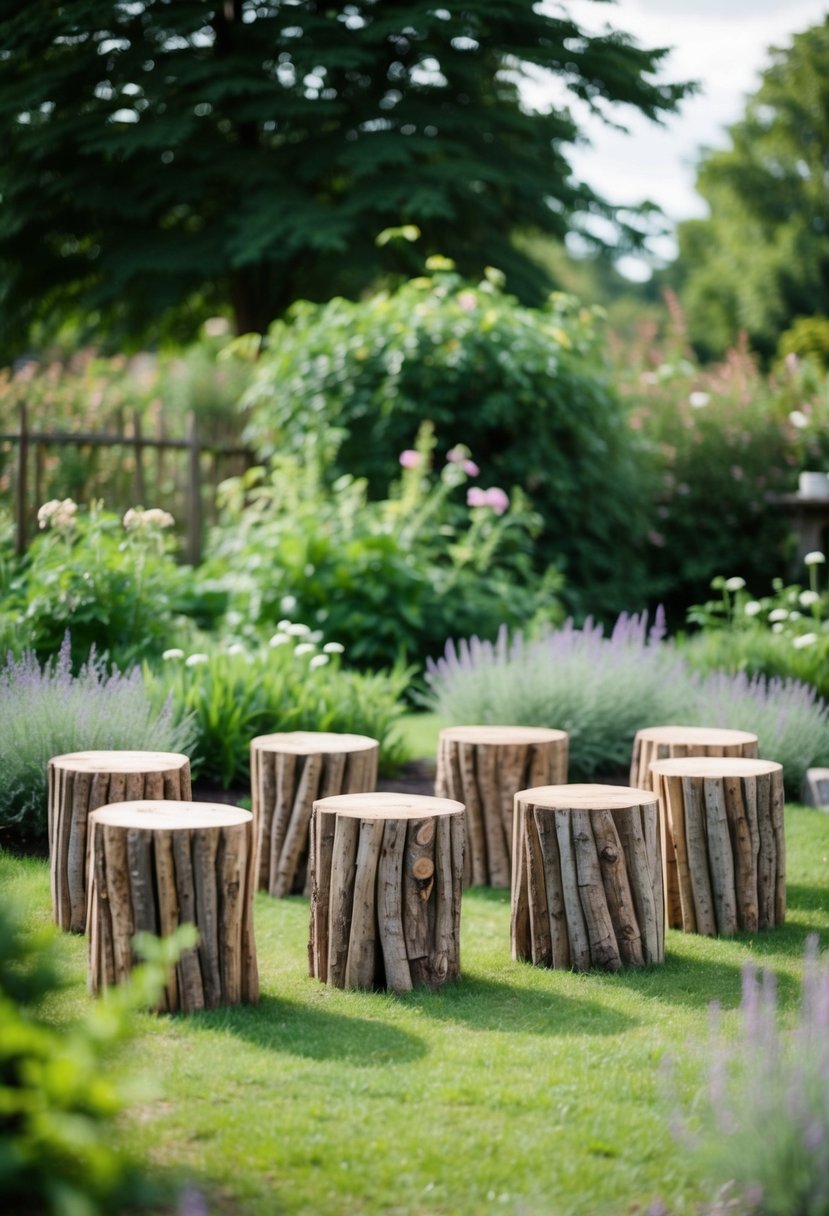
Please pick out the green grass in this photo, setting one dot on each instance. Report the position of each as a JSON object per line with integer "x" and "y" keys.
{"x": 420, "y": 734}
{"x": 517, "y": 1090}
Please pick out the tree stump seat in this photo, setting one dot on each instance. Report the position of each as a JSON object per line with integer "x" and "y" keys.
{"x": 725, "y": 849}
{"x": 587, "y": 878}
{"x": 288, "y": 772}
{"x": 678, "y": 742}
{"x": 79, "y": 783}
{"x": 484, "y": 767}
{"x": 387, "y": 876}
{"x": 155, "y": 865}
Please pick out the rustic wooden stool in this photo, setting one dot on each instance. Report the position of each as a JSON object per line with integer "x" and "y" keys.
{"x": 78, "y": 783}
{"x": 288, "y": 771}
{"x": 484, "y": 767}
{"x": 587, "y": 877}
{"x": 677, "y": 742}
{"x": 725, "y": 851}
{"x": 387, "y": 872}
{"x": 155, "y": 865}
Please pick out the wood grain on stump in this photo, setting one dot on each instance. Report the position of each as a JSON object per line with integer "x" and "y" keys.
{"x": 288, "y": 772}
{"x": 725, "y": 850}
{"x": 155, "y": 865}
{"x": 387, "y": 876}
{"x": 78, "y": 783}
{"x": 679, "y": 742}
{"x": 484, "y": 767}
{"x": 587, "y": 878}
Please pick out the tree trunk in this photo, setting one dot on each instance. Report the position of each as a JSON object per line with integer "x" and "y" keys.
{"x": 678, "y": 742}
{"x": 155, "y": 865}
{"x": 288, "y": 772}
{"x": 79, "y": 783}
{"x": 587, "y": 878}
{"x": 387, "y": 877}
{"x": 725, "y": 852}
{"x": 484, "y": 767}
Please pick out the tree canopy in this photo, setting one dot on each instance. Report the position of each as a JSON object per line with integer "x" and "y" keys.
{"x": 762, "y": 258}
{"x": 161, "y": 159}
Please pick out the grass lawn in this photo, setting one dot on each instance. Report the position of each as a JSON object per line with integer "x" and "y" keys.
{"x": 516, "y": 1090}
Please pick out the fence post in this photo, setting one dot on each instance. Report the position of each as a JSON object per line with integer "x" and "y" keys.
{"x": 194, "y": 516}
{"x": 22, "y": 465}
{"x": 138, "y": 446}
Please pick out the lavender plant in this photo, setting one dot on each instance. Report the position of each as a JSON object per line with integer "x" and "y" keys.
{"x": 46, "y": 711}
{"x": 767, "y": 1113}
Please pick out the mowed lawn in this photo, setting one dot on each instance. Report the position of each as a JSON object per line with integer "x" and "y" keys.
{"x": 516, "y": 1090}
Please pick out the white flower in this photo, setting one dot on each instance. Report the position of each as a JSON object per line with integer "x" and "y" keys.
{"x": 304, "y": 648}
{"x": 235, "y": 648}
{"x": 752, "y": 608}
{"x": 172, "y": 653}
{"x": 233, "y": 618}
{"x": 333, "y": 648}
{"x": 319, "y": 660}
{"x": 193, "y": 660}
{"x": 298, "y": 630}
{"x": 805, "y": 639}
{"x": 316, "y": 636}
{"x": 778, "y": 628}
{"x": 798, "y": 418}
{"x": 808, "y": 598}
{"x": 154, "y": 517}
{"x": 132, "y": 519}
{"x": 698, "y": 400}
{"x": 288, "y": 603}
{"x": 794, "y": 615}
{"x": 815, "y": 558}
{"x": 57, "y": 513}
{"x": 778, "y": 614}
{"x": 279, "y": 639}
{"x": 735, "y": 584}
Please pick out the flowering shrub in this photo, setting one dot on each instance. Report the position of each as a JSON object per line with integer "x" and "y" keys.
{"x": 47, "y": 711}
{"x": 112, "y": 583}
{"x": 389, "y": 579}
{"x": 603, "y": 688}
{"x": 233, "y": 691}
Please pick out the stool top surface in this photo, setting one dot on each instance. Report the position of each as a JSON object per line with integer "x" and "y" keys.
{"x": 310, "y": 742}
{"x": 153, "y": 814}
{"x": 391, "y": 805}
{"x": 587, "y": 797}
{"x": 714, "y": 766}
{"x": 502, "y": 734}
{"x": 704, "y": 735}
{"x": 120, "y": 762}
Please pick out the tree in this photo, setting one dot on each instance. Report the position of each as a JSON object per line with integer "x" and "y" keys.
{"x": 762, "y": 258}
{"x": 161, "y": 159}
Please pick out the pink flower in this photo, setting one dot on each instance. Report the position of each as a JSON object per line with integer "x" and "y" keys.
{"x": 410, "y": 459}
{"x": 470, "y": 468}
{"x": 498, "y": 499}
{"x": 467, "y": 301}
{"x": 476, "y": 497}
{"x": 457, "y": 454}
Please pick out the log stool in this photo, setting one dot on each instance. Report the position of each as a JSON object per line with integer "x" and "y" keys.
{"x": 154, "y": 865}
{"x": 725, "y": 852}
{"x": 484, "y": 767}
{"x": 387, "y": 875}
{"x": 288, "y": 772}
{"x": 587, "y": 877}
{"x": 677, "y": 742}
{"x": 79, "y": 782}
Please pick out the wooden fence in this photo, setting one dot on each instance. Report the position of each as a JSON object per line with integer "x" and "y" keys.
{"x": 203, "y": 462}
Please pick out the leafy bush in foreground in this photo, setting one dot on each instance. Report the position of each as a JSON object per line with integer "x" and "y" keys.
{"x": 47, "y": 711}
{"x": 602, "y": 689}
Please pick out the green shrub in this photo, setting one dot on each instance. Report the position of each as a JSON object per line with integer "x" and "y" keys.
{"x": 807, "y": 338}
{"x": 47, "y": 711}
{"x": 239, "y": 690}
{"x": 113, "y": 583}
{"x": 527, "y": 391}
{"x": 60, "y": 1154}
{"x": 388, "y": 579}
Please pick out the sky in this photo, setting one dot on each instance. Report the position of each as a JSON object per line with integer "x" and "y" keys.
{"x": 720, "y": 43}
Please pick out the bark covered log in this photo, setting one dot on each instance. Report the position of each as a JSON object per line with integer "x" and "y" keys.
{"x": 484, "y": 767}
{"x": 587, "y": 878}
{"x": 387, "y": 876}
{"x": 155, "y": 865}
{"x": 725, "y": 852}
{"x": 288, "y": 772}
{"x": 79, "y": 783}
{"x": 679, "y": 742}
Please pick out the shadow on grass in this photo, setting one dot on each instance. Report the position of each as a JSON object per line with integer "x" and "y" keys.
{"x": 301, "y": 1029}
{"x": 480, "y": 1003}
